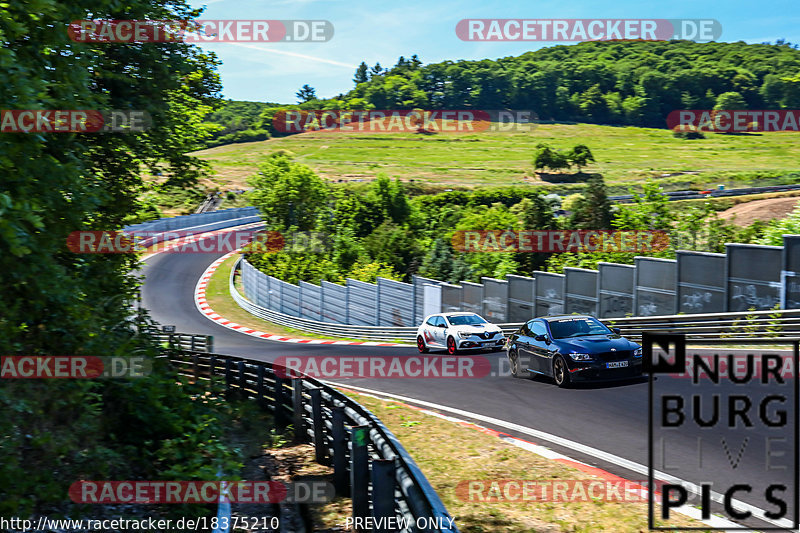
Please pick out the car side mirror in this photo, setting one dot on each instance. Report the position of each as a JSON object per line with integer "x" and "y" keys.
{"x": 616, "y": 330}
{"x": 442, "y": 325}
{"x": 541, "y": 338}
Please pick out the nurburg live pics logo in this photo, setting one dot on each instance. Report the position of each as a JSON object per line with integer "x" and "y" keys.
{"x": 728, "y": 435}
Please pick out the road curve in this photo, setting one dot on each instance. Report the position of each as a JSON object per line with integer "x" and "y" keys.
{"x": 611, "y": 418}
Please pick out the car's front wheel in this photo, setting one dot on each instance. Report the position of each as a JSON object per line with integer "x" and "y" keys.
{"x": 560, "y": 372}
{"x": 452, "y": 349}
{"x": 421, "y": 345}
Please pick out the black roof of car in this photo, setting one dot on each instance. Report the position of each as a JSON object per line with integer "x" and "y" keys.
{"x": 558, "y": 317}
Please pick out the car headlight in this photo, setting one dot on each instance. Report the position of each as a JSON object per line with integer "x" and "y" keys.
{"x": 580, "y": 356}
{"x": 637, "y": 352}
{"x": 464, "y": 334}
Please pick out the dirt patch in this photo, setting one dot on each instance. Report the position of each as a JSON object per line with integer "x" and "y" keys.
{"x": 772, "y": 208}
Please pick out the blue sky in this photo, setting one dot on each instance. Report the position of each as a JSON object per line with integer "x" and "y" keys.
{"x": 378, "y": 31}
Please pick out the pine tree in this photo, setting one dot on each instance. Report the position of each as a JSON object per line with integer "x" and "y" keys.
{"x": 306, "y": 93}
{"x": 362, "y": 74}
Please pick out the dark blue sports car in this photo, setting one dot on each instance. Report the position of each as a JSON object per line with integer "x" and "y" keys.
{"x": 572, "y": 348}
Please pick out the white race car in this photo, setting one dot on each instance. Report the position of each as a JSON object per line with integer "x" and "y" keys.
{"x": 458, "y": 331}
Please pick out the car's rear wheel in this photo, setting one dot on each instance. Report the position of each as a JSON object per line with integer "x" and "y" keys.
{"x": 514, "y": 360}
{"x": 421, "y": 345}
{"x": 560, "y": 372}
{"x": 451, "y": 346}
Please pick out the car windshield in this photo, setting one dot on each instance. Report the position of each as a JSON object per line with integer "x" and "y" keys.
{"x": 577, "y": 327}
{"x": 465, "y": 320}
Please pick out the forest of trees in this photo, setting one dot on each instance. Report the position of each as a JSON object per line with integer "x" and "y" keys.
{"x": 379, "y": 229}
{"x": 235, "y": 122}
{"x": 631, "y": 83}
{"x": 54, "y": 432}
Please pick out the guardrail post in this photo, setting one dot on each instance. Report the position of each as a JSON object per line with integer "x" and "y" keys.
{"x": 242, "y": 381}
{"x": 196, "y": 367}
{"x": 320, "y": 448}
{"x": 297, "y": 408}
{"x": 280, "y": 418}
{"x": 191, "y": 343}
{"x": 383, "y": 480}
{"x": 341, "y": 478}
{"x": 359, "y": 471}
{"x": 213, "y": 367}
{"x": 260, "y": 385}
{"x": 228, "y": 376}
{"x": 209, "y": 343}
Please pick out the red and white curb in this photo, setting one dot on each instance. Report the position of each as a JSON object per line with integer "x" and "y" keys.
{"x": 716, "y": 522}
{"x": 202, "y": 305}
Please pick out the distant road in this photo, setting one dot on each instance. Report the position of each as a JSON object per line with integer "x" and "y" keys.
{"x": 714, "y": 193}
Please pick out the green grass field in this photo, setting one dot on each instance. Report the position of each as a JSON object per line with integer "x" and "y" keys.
{"x": 625, "y": 156}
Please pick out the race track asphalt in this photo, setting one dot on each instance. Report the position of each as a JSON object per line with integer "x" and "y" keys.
{"x": 610, "y": 417}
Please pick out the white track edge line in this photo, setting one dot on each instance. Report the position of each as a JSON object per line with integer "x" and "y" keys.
{"x": 584, "y": 449}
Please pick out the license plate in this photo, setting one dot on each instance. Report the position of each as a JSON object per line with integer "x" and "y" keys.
{"x": 617, "y": 364}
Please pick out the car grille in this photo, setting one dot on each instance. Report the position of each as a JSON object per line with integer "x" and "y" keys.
{"x": 485, "y": 335}
{"x": 619, "y": 355}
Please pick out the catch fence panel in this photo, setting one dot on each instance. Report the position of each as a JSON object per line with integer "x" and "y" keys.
{"x": 701, "y": 282}
{"x": 615, "y": 284}
{"x": 656, "y": 281}
{"x": 472, "y": 297}
{"x": 362, "y": 303}
{"x": 754, "y": 276}
{"x": 275, "y": 297}
{"x": 451, "y": 298}
{"x": 549, "y": 293}
{"x": 580, "y": 291}
{"x": 521, "y": 298}
{"x": 395, "y": 300}
{"x": 310, "y": 300}
{"x": 290, "y": 299}
{"x": 790, "y": 275}
{"x": 495, "y": 300}
{"x": 249, "y": 276}
{"x": 419, "y": 296}
{"x": 334, "y": 302}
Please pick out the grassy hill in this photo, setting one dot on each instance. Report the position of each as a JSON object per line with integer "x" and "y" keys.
{"x": 625, "y": 156}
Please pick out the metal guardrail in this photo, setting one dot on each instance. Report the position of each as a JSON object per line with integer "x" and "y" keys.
{"x": 714, "y": 193}
{"x": 369, "y": 463}
{"x": 748, "y": 324}
{"x": 186, "y": 341}
{"x": 783, "y": 323}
